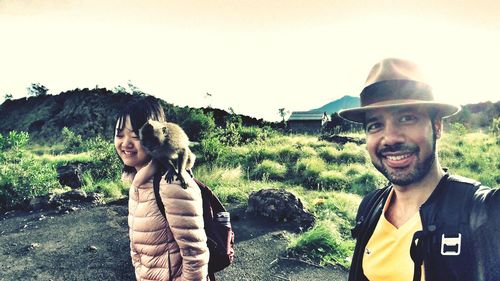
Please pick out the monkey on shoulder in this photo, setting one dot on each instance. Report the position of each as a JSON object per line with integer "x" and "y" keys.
{"x": 167, "y": 143}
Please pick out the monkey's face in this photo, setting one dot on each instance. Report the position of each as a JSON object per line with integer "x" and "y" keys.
{"x": 151, "y": 135}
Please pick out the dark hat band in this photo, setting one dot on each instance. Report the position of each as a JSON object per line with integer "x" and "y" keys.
{"x": 395, "y": 90}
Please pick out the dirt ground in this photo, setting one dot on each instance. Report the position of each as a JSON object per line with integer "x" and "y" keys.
{"x": 91, "y": 243}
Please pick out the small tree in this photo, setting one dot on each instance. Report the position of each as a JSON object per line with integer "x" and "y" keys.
{"x": 495, "y": 127}
{"x": 283, "y": 113}
{"x": 7, "y": 97}
{"x": 134, "y": 90}
{"x": 37, "y": 89}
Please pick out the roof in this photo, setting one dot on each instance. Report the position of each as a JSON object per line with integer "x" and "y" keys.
{"x": 306, "y": 115}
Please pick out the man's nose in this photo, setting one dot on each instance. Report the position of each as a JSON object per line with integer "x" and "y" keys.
{"x": 392, "y": 134}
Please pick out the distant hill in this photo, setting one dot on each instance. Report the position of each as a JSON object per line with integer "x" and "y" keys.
{"x": 92, "y": 112}
{"x": 337, "y": 105}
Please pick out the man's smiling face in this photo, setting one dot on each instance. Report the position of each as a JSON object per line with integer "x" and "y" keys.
{"x": 401, "y": 142}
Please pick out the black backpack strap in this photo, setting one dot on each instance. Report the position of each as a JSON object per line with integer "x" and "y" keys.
{"x": 156, "y": 188}
{"x": 367, "y": 209}
{"x": 417, "y": 251}
{"x": 453, "y": 206}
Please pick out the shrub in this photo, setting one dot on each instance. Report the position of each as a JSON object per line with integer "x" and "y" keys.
{"x": 350, "y": 153}
{"x": 198, "y": 125}
{"x": 22, "y": 176}
{"x": 230, "y": 135}
{"x": 366, "y": 182}
{"x": 495, "y": 127}
{"x": 269, "y": 170}
{"x": 308, "y": 170}
{"x": 458, "y": 129}
{"x": 322, "y": 243}
{"x": 105, "y": 162}
{"x": 14, "y": 140}
{"x": 333, "y": 180}
{"x": 289, "y": 154}
{"x": 346, "y": 157}
{"x": 255, "y": 134}
{"x": 71, "y": 141}
{"x": 329, "y": 154}
{"x": 211, "y": 149}
{"x": 355, "y": 169}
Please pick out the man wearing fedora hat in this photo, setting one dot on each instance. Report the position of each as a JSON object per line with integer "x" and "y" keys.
{"x": 426, "y": 224}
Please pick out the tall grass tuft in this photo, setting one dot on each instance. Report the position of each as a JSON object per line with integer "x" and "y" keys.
{"x": 269, "y": 170}
{"x": 308, "y": 170}
{"x": 324, "y": 244}
{"x": 333, "y": 180}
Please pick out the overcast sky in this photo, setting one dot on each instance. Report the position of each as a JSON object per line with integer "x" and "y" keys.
{"x": 254, "y": 56}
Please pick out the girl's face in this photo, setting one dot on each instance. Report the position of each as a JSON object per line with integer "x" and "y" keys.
{"x": 128, "y": 146}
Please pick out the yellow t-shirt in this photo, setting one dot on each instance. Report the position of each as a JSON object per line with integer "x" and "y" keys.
{"x": 387, "y": 254}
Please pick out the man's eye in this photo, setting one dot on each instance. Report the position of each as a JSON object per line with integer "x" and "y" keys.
{"x": 372, "y": 127}
{"x": 408, "y": 118}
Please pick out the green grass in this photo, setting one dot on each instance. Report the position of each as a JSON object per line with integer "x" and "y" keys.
{"x": 330, "y": 179}
{"x": 61, "y": 159}
{"x": 474, "y": 155}
{"x": 111, "y": 190}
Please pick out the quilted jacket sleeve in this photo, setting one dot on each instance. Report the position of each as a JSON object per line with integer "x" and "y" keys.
{"x": 184, "y": 211}
{"x": 133, "y": 253}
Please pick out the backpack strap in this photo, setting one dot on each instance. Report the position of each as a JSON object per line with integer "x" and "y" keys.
{"x": 453, "y": 203}
{"x": 156, "y": 188}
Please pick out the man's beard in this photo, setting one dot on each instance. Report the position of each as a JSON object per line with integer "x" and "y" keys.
{"x": 403, "y": 177}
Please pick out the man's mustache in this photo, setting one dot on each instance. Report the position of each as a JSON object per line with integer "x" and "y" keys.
{"x": 399, "y": 147}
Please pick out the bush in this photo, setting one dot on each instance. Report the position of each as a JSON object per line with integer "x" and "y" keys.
{"x": 255, "y": 134}
{"x": 346, "y": 157}
{"x": 350, "y": 153}
{"x": 230, "y": 135}
{"x": 71, "y": 141}
{"x": 198, "y": 125}
{"x": 458, "y": 129}
{"x": 366, "y": 182}
{"x": 22, "y": 176}
{"x": 495, "y": 127}
{"x": 105, "y": 162}
{"x": 14, "y": 140}
{"x": 269, "y": 170}
{"x": 322, "y": 243}
{"x": 288, "y": 154}
{"x": 308, "y": 170}
{"x": 329, "y": 154}
{"x": 333, "y": 180}
{"x": 211, "y": 149}
{"x": 353, "y": 170}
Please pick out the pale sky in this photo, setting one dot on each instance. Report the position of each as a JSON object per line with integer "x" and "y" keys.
{"x": 254, "y": 56}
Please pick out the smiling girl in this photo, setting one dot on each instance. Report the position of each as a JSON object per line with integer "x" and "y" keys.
{"x": 161, "y": 249}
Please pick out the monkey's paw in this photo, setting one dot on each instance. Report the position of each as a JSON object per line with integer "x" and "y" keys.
{"x": 183, "y": 182}
{"x": 169, "y": 176}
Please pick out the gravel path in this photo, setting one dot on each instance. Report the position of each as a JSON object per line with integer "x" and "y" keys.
{"x": 91, "y": 243}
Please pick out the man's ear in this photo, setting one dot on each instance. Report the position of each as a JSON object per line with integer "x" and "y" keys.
{"x": 438, "y": 126}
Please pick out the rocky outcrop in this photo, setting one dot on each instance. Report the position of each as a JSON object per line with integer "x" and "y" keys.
{"x": 70, "y": 175}
{"x": 67, "y": 201}
{"x": 280, "y": 205}
{"x": 341, "y": 139}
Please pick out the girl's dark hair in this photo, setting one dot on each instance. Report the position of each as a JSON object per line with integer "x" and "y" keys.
{"x": 140, "y": 111}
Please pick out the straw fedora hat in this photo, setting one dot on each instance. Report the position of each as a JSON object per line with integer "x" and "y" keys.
{"x": 396, "y": 83}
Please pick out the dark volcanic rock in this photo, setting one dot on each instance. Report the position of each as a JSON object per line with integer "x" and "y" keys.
{"x": 280, "y": 205}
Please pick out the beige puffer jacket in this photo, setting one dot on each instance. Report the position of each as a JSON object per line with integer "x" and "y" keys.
{"x": 177, "y": 243}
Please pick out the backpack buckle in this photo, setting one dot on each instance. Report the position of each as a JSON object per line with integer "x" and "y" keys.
{"x": 451, "y": 245}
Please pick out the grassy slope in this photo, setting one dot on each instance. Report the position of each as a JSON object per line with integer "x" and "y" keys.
{"x": 330, "y": 179}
